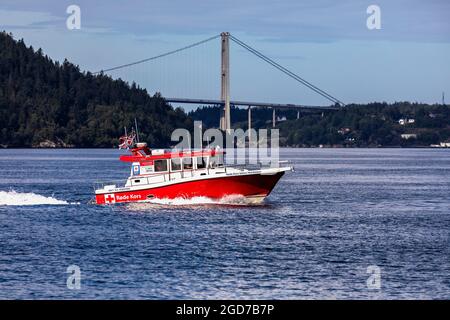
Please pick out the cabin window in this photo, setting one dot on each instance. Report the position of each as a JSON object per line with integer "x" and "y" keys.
{"x": 187, "y": 163}
{"x": 160, "y": 165}
{"x": 201, "y": 163}
{"x": 220, "y": 161}
{"x": 212, "y": 162}
{"x": 216, "y": 161}
{"x": 175, "y": 164}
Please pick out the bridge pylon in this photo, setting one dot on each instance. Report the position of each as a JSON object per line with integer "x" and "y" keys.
{"x": 274, "y": 119}
{"x": 225, "y": 119}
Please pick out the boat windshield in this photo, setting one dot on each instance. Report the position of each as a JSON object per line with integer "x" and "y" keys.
{"x": 142, "y": 152}
{"x": 201, "y": 163}
{"x": 187, "y": 163}
{"x": 216, "y": 161}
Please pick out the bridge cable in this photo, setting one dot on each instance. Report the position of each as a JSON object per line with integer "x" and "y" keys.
{"x": 158, "y": 56}
{"x": 287, "y": 72}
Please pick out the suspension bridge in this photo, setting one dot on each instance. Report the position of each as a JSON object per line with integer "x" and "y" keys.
{"x": 225, "y": 101}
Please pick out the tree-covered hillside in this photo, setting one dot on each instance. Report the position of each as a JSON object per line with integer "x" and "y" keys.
{"x": 371, "y": 125}
{"x": 46, "y": 103}
{"x": 44, "y": 100}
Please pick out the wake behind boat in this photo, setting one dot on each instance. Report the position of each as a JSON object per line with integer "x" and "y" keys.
{"x": 164, "y": 174}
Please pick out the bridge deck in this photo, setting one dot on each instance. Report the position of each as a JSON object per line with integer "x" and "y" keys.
{"x": 252, "y": 104}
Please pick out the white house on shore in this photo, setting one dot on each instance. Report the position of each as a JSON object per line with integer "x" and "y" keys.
{"x": 406, "y": 121}
{"x": 407, "y": 136}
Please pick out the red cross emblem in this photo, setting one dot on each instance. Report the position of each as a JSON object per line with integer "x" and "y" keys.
{"x": 110, "y": 198}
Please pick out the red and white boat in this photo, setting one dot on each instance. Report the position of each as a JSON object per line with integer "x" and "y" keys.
{"x": 161, "y": 174}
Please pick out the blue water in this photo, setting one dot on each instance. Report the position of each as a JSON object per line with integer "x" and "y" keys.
{"x": 324, "y": 224}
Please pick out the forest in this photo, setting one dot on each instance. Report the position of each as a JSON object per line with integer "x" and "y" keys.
{"x": 47, "y": 103}
{"x": 400, "y": 124}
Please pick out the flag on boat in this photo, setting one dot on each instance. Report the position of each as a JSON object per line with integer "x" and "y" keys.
{"x": 126, "y": 141}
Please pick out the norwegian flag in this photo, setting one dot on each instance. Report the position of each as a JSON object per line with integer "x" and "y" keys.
{"x": 126, "y": 141}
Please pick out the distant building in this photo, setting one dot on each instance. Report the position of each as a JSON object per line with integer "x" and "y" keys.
{"x": 407, "y": 136}
{"x": 280, "y": 119}
{"x": 344, "y": 130}
{"x": 402, "y": 122}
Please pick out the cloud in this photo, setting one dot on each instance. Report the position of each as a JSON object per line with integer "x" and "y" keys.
{"x": 276, "y": 21}
{"x": 27, "y": 19}
{"x": 326, "y": 41}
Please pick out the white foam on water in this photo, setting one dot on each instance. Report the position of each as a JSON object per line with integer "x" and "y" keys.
{"x": 13, "y": 198}
{"x": 227, "y": 200}
{"x": 236, "y": 200}
{"x": 182, "y": 201}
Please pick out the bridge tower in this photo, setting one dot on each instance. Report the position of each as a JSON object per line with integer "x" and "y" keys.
{"x": 274, "y": 119}
{"x": 249, "y": 123}
{"x": 225, "y": 120}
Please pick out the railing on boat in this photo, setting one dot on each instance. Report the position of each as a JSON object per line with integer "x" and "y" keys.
{"x": 167, "y": 175}
{"x": 112, "y": 184}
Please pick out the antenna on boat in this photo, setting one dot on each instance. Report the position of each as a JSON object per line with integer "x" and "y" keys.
{"x": 201, "y": 140}
{"x": 137, "y": 132}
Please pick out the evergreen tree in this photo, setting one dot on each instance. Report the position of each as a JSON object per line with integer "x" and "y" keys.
{"x": 45, "y": 100}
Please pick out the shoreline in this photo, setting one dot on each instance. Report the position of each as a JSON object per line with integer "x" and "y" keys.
{"x": 282, "y": 147}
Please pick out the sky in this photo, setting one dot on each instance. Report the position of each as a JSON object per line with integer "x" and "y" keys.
{"x": 326, "y": 42}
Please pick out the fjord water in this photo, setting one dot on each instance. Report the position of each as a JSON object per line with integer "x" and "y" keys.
{"x": 341, "y": 211}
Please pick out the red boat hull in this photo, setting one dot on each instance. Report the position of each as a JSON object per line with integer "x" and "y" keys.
{"x": 255, "y": 185}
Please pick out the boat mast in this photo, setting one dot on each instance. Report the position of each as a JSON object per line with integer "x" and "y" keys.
{"x": 137, "y": 132}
